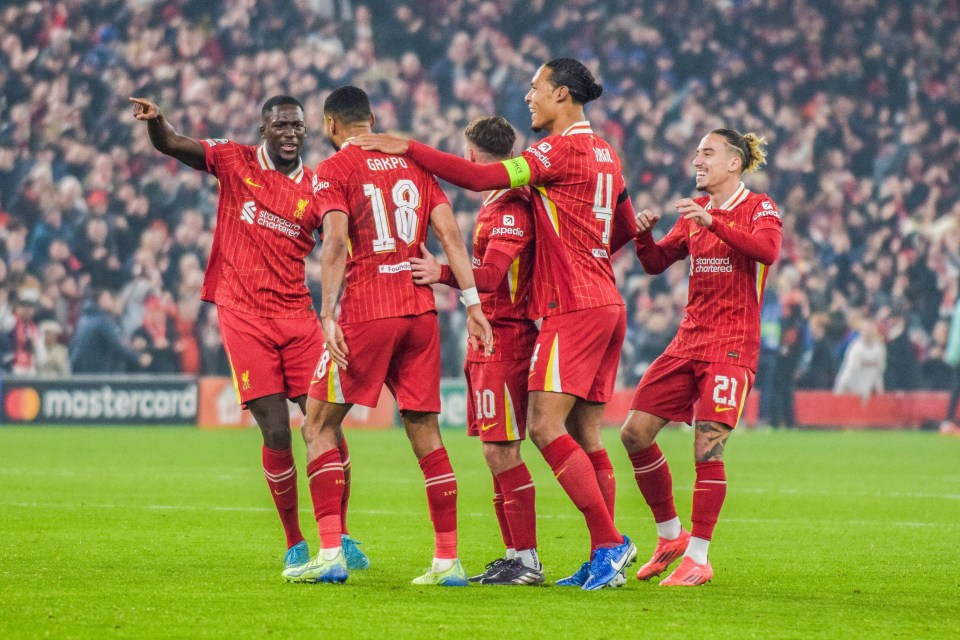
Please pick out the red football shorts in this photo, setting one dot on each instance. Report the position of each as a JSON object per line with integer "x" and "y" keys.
{"x": 497, "y": 399}
{"x": 578, "y": 353}
{"x": 686, "y": 390}
{"x": 270, "y": 355}
{"x": 403, "y": 353}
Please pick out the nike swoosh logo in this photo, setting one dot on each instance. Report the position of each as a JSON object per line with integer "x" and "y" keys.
{"x": 314, "y": 381}
{"x": 719, "y": 409}
{"x": 250, "y": 182}
{"x": 280, "y": 493}
{"x": 487, "y": 427}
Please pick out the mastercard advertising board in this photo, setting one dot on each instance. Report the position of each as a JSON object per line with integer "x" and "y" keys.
{"x": 127, "y": 400}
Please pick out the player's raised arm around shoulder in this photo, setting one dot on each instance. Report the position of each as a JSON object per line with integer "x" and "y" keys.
{"x": 333, "y": 261}
{"x": 514, "y": 172}
{"x": 165, "y": 138}
{"x": 445, "y": 227}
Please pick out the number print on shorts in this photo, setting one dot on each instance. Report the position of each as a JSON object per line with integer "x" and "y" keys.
{"x": 724, "y": 392}
{"x": 486, "y": 404}
{"x": 406, "y": 199}
{"x": 322, "y": 366}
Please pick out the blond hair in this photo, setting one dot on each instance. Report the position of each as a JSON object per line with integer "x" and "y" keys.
{"x": 751, "y": 148}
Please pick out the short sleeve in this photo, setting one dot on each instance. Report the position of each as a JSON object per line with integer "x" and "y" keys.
{"x": 434, "y": 195}
{"x": 546, "y": 159}
{"x": 511, "y": 230}
{"x": 766, "y": 215}
{"x": 330, "y": 193}
{"x": 220, "y": 153}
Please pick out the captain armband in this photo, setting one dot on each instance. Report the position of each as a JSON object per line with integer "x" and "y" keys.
{"x": 518, "y": 170}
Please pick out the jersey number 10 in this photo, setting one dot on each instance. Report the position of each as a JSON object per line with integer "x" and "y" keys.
{"x": 406, "y": 199}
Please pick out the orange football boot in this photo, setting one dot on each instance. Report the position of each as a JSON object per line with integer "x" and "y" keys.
{"x": 688, "y": 574}
{"x": 666, "y": 552}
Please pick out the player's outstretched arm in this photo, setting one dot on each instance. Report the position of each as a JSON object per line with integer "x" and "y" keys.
{"x": 445, "y": 227}
{"x": 333, "y": 261}
{"x": 452, "y": 168}
{"x": 165, "y": 138}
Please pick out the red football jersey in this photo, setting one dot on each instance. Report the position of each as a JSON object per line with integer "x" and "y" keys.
{"x": 577, "y": 178}
{"x": 505, "y": 224}
{"x": 388, "y": 200}
{"x": 726, "y": 288}
{"x": 263, "y": 234}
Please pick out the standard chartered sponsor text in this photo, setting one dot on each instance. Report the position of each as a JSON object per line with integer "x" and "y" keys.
{"x": 107, "y": 402}
{"x": 713, "y": 265}
{"x": 275, "y": 222}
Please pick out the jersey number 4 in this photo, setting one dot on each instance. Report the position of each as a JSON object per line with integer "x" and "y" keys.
{"x": 406, "y": 199}
{"x": 603, "y": 204}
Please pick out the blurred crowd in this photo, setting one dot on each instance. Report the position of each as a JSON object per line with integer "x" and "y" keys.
{"x": 103, "y": 241}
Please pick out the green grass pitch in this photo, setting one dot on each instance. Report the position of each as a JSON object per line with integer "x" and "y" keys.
{"x": 150, "y": 533}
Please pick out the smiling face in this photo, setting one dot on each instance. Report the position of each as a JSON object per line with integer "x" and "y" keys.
{"x": 283, "y": 130}
{"x": 716, "y": 163}
{"x": 542, "y": 100}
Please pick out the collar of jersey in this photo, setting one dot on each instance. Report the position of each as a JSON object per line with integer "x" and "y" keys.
{"x": 494, "y": 196}
{"x": 267, "y": 164}
{"x": 738, "y": 196}
{"x": 578, "y": 127}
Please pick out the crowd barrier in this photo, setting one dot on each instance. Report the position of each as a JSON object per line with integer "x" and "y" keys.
{"x": 212, "y": 402}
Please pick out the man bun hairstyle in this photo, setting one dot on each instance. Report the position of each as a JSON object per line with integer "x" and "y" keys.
{"x": 279, "y": 101}
{"x": 492, "y": 135}
{"x": 349, "y": 105}
{"x": 572, "y": 74}
{"x": 751, "y": 148}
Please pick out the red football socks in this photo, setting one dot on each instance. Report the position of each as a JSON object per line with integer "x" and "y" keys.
{"x": 280, "y": 471}
{"x": 708, "y": 493}
{"x": 501, "y": 517}
{"x": 573, "y": 470}
{"x": 519, "y": 505}
{"x": 652, "y": 473}
{"x": 442, "y": 499}
{"x": 345, "y": 457}
{"x": 325, "y": 473}
{"x": 605, "y": 477}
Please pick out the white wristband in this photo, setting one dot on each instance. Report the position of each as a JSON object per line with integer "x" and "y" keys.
{"x": 470, "y": 297}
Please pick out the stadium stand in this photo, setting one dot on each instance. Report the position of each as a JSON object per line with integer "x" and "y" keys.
{"x": 859, "y": 99}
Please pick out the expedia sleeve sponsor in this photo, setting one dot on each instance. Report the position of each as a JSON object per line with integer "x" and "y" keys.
{"x": 100, "y": 401}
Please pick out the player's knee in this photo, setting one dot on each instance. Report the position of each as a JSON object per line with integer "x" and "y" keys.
{"x": 276, "y": 436}
{"x": 635, "y": 437}
{"x": 501, "y": 456}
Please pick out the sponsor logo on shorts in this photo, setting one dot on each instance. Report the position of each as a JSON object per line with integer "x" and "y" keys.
{"x": 394, "y": 268}
{"x": 719, "y": 409}
{"x": 487, "y": 427}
